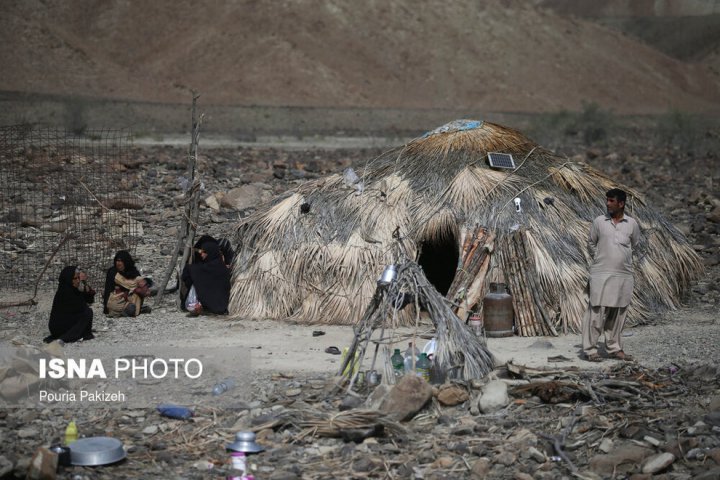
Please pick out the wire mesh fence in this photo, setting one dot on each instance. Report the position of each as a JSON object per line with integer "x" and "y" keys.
{"x": 62, "y": 202}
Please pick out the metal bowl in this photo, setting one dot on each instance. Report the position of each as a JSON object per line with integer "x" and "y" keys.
{"x": 93, "y": 451}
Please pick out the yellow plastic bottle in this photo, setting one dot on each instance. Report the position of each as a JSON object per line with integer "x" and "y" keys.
{"x": 71, "y": 433}
{"x": 345, "y": 352}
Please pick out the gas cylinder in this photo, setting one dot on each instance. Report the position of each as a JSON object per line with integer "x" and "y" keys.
{"x": 498, "y": 311}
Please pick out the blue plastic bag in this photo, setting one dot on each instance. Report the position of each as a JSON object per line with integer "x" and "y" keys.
{"x": 175, "y": 411}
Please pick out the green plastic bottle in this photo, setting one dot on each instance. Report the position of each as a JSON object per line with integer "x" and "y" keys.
{"x": 71, "y": 433}
{"x": 423, "y": 366}
{"x": 398, "y": 363}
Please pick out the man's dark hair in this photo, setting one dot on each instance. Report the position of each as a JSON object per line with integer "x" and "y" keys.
{"x": 617, "y": 194}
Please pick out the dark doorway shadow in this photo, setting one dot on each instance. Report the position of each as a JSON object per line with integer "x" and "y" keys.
{"x": 439, "y": 258}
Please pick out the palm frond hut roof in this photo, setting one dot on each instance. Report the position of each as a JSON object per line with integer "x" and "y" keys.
{"x": 314, "y": 253}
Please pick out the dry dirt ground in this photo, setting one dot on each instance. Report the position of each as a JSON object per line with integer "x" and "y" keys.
{"x": 274, "y": 360}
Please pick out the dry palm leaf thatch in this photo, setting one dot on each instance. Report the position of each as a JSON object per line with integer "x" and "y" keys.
{"x": 316, "y": 423}
{"x": 459, "y": 353}
{"x": 313, "y": 254}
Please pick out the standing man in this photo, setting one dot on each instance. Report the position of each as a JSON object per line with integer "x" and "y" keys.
{"x": 612, "y": 238}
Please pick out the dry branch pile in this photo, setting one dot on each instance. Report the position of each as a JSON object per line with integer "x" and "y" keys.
{"x": 459, "y": 353}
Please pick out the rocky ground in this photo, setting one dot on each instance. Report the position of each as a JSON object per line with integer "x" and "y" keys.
{"x": 562, "y": 418}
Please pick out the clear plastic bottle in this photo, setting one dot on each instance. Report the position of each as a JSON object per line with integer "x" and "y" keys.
{"x": 410, "y": 357}
{"x": 238, "y": 466}
{"x": 223, "y": 386}
{"x": 423, "y": 366}
{"x": 398, "y": 363}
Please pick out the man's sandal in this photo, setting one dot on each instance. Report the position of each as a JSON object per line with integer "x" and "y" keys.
{"x": 622, "y": 356}
{"x": 593, "y": 357}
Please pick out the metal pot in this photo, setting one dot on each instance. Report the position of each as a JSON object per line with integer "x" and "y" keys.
{"x": 94, "y": 451}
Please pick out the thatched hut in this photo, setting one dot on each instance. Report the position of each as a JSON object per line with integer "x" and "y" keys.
{"x": 314, "y": 253}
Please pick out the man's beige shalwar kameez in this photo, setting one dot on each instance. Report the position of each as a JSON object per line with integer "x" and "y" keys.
{"x": 611, "y": 281}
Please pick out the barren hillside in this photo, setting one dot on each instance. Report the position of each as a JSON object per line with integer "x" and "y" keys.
{"x": 493, "y": 56}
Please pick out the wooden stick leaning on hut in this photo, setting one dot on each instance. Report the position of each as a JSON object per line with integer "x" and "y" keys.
{"x": 547, "y": 325}
{"x": 532, "y": 328}
{"x": 188, "y": 225}
{"x": 474, "y": 261}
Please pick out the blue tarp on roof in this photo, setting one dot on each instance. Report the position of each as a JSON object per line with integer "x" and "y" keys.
{"x": 455, "y": 126}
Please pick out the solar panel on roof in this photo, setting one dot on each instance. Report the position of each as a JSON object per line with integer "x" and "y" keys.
{"x": 501, "y": 160}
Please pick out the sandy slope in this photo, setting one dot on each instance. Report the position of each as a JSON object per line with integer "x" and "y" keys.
{"x": 495, "y": 56}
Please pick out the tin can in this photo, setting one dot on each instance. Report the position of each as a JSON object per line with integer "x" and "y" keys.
{"x": 373, "y": 377}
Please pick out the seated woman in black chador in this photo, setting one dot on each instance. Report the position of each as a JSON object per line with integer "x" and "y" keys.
{"x": 125, "y": 288}
{"x": 211, "y": 279}
{"x": 71, "y": 317}
{"x": 226, "y": 250}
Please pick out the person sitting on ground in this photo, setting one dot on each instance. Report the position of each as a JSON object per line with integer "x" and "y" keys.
{"x": 226, "y": 253}
{"x": 210, "y": 279}
{"x": 125, "y": 288}
{"x": 226, "y": 250}
{"x": 71, "y": 317}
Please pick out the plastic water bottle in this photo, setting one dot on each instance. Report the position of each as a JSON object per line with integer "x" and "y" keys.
{"x": 398, "y": 363}
{"x": 410, "y": 357}
{"x": 223, "y": 386}
{"x": 238, "y": 464}
{"x": 423, "y": 367}
{"x": 71, "y": 433}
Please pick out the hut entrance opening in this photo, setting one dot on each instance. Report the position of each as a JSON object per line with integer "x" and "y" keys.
{"x": 438, "y": 258}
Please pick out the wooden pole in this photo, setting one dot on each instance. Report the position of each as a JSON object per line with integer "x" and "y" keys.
{"x": 188, "y": 225}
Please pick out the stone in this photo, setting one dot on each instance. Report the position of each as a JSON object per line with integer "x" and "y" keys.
{"x": 712, "y": 474}
{"x": 203, "y": 465}
{"x": 43, "y": 465}
{"x": 481, "y": 468}
{"x": 451, "y": 395}
{"x": 150, "y": 430}
{"x": 537, "y": 455}
{"x": 349, "y": 402}
{"x": 293, "y": 392}
{"x": 28, "y": 432}
{"x": 714, "y": 454}
{"x": 606, "y": 445}
{"x": 442, "y": 462}
{"x": 522, "y": 476}
{"x": 245, "y": 196}
{"x": 658, "y": 463}
{"x": 212, "y": 203}
{"x": 6, "y": 466}
{"x": 506, "y": 458}
{"x": 363, "y": 464}
{"x": 713, "y": 418}
{"x": 376, "y": 398}
{"x": 494, "y": 397}
{"x": 284, "y": 475}
{"x": 626, "y": 454}
{"x": 523, "y": 435}
{"x": 406, "y": 398}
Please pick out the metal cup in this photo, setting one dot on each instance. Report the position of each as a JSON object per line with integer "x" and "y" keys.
{"x": 388, "y": 275}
